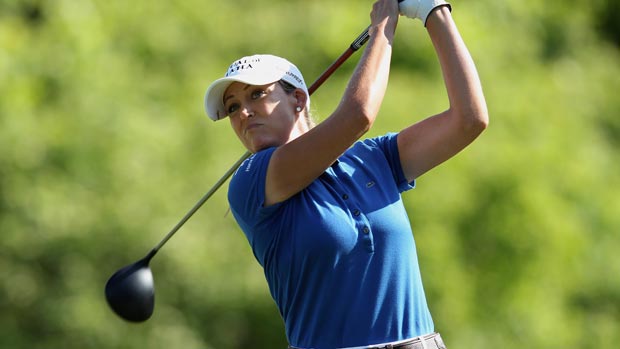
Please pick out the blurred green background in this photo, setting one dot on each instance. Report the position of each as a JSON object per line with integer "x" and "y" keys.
{"x": 105, "y": 146}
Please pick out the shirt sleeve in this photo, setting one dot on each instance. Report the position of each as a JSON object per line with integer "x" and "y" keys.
{"x": 389, "y": 146}
{"x": 246, "y": 193}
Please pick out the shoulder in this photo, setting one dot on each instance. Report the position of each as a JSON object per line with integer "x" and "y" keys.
{"x": 248, "y": 166}
{"x": 255, "y": 165}
{"x": 248, "y": 182}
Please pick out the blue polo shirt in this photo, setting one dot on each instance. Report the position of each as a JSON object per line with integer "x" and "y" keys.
{"x": 339, "y": 256}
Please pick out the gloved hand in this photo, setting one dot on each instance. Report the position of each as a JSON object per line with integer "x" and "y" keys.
{"x": 420, "y": 8}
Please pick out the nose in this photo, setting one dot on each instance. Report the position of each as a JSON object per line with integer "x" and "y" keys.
{"x": 246, "y": 113}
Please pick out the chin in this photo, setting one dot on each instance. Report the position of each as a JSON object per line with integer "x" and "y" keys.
{"x": 257, "y": 146}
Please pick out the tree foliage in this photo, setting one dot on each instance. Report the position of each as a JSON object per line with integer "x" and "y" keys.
{"x": 105, "y": 146}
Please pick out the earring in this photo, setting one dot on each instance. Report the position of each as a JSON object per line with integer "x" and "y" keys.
{"x": 298, "y": 109}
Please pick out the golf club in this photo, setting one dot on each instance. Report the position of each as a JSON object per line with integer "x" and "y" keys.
{"x": 130, "y": 292}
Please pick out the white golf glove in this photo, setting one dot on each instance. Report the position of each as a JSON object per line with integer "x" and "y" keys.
{"x": 420, "y": 8}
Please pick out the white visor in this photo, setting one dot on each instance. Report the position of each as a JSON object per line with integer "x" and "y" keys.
{"x": 252, "y": 70}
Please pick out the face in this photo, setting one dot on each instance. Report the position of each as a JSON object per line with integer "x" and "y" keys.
{"x": 263, "y": 116}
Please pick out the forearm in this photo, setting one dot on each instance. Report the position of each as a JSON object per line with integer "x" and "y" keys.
{"x": 361, "y": 100}
{"x": 366, "y": 89}
{"x": 364, "y": 94}
{"x": 437, "y": 138}
{"x": 463, "y": 86}
{"x": 296, "y": 164}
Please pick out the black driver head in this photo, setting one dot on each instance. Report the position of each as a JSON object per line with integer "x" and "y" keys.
{"x": 130, "y": 292}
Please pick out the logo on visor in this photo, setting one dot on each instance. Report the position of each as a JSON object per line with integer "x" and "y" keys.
{"x": 297, "y": 78}
{"x": 241, "y": 65}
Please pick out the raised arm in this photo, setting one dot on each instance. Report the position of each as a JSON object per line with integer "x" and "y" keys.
{"x": 295, "y": 165}
{"x": 434, "y": 140}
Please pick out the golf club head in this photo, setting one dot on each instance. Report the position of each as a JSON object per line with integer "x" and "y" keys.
{"x": 130, "y": 292}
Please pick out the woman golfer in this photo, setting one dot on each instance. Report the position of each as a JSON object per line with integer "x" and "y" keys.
{"x": 322, "y": 209}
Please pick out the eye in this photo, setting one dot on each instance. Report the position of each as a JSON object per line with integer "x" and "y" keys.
{"x": 232, "y": 108}
{"x": 258, "y": 94}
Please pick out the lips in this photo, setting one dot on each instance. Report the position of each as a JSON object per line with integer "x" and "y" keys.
{"x": 252, "y": 126}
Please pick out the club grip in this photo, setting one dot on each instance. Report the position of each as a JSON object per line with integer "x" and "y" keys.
{"x": 361, "y": 40}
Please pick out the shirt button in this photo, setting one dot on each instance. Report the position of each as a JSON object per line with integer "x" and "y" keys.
{"x": 366, "y": 230}
{"x": 345, "y": 196}
{"x": 356, "y": 213}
